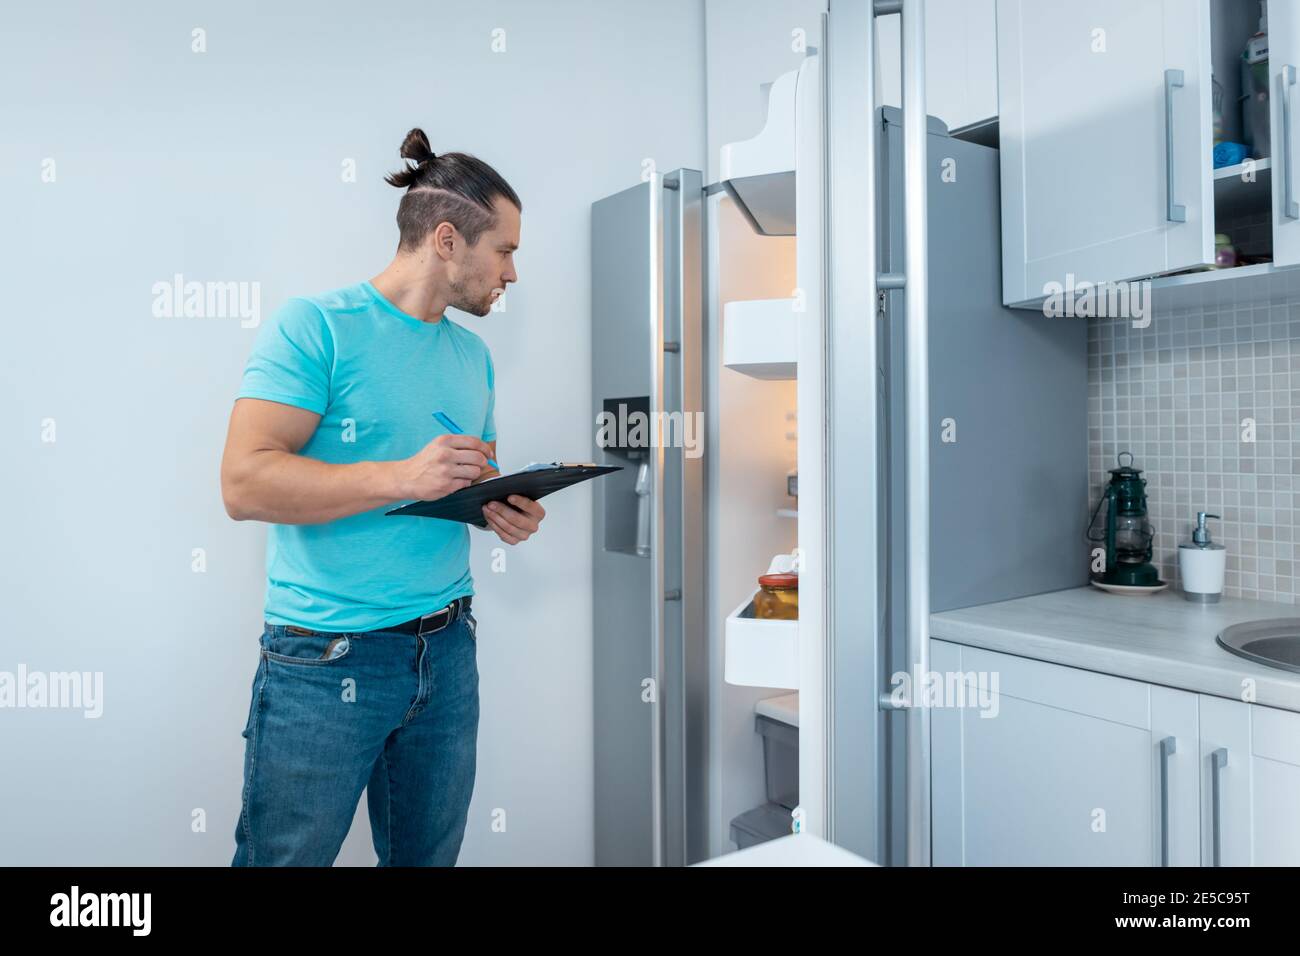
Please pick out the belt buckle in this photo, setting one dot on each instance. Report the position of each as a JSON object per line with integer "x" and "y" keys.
{"x": 449, "y": 611}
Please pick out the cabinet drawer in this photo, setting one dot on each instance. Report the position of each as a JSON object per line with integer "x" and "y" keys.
{"x": 1067, "y": 688}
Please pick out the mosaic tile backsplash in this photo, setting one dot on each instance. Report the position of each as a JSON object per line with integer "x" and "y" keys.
{"x": 1176, "y": 394}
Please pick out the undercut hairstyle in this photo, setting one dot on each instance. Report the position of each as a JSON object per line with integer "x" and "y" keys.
{"x": 454, "y": 187}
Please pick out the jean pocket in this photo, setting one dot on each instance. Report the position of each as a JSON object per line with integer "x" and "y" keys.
{"x": 303, "y": 647}
{"x": 471, "y": 624}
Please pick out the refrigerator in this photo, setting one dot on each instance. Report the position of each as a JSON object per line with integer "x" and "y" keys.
{"x": 941, "y": 457}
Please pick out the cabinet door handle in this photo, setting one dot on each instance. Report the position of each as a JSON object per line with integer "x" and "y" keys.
{"x": 1290, "y": 208}
{"x": 1167, "y": 748}
{"x": 1174, "y": 212}
{"x": 1218, "y": 760}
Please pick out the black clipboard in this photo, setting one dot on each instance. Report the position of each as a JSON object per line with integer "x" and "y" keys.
{"x": 467, "y": 504}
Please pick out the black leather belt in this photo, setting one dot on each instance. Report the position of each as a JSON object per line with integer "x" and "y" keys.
{"x": 439, "y": 619}
{"x": 425, "y": 624}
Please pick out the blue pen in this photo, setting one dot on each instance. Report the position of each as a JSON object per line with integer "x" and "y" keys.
{"x": 445, "y": 421}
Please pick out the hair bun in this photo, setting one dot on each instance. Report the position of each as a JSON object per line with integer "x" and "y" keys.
{"x": 416, "y": 147}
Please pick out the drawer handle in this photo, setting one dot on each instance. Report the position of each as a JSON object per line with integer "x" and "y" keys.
{"x": 1218, "y": 760}
{"x": 1168, "y": 746}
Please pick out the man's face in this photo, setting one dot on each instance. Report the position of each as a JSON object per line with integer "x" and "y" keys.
{"x": 489, "y": 265}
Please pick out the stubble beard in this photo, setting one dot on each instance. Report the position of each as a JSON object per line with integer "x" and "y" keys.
{"x": 463, "y": 299}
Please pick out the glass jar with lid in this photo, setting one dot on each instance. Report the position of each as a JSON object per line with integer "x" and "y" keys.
{"x": 777, "y": 597}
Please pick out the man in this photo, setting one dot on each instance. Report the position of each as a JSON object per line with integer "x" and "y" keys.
{"x": 368, "y": 676}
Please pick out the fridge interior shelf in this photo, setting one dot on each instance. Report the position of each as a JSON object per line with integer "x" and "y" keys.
{"x": 760, "y": 338}
{"x": 758, "y": 173}
{"x": 760, "y": 652}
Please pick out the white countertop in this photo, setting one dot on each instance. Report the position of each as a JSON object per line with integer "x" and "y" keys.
{"x": 1160, "y": 638}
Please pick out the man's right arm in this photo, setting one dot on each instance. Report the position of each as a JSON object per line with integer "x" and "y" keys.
{"x": 263, "y": 478}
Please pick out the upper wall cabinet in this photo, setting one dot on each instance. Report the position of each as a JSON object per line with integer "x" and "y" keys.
{"x": 1110, "y": 114}
{"x": 1106, "y": 139}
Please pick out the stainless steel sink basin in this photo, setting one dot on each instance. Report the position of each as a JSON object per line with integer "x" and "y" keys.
{"x": 1275, "y": 643}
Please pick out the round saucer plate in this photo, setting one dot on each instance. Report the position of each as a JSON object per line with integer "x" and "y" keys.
{"x": 1129, "y": 588}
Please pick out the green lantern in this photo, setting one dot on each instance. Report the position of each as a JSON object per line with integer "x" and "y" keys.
{"x": 1126, "y": 532}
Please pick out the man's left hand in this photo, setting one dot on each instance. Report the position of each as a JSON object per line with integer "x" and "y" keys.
{"x": 515, "y": 519}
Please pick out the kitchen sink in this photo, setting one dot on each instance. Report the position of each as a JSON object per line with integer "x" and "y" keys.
{"x": 1275, "y": 643}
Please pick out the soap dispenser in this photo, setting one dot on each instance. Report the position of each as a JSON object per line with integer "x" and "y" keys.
{"x": 1201, "y": 564}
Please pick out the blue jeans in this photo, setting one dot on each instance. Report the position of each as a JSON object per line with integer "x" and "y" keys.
{"x": 331, "y": 714}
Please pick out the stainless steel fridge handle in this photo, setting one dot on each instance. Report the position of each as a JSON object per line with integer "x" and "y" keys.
{"x": 1218, "y": 760}
{"x": 1174, "y": 212}
{"x": 916, "y": 295}
{"x": 1168, "y": 746}
{"x": 655, "y": 453}
{"x": 1290, "y": 208}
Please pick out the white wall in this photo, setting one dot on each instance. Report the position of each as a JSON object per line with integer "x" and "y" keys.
{"x": 226, "y": 165}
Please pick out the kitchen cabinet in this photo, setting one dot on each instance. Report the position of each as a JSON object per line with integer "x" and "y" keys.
{"x": 1250, "y": 784}
{"x": 1105, "y": 125}
{"x": 1054, "y": 766}
{"x": 1024, "y": 786}
{"x": 1106, "y": 114}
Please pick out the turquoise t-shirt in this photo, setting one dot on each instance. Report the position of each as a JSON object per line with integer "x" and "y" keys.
{"x": 375, "y": 375}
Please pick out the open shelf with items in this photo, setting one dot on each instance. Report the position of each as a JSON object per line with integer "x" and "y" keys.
{"x": 1243, "y": 191}
{"x": 1244, "y": 204}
